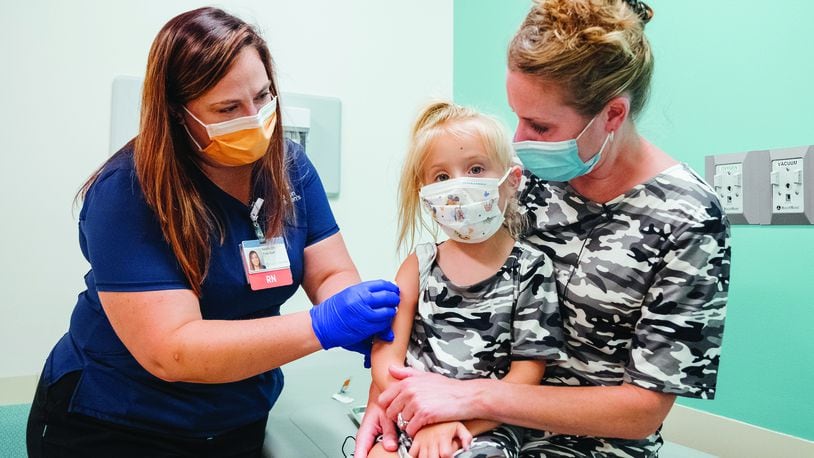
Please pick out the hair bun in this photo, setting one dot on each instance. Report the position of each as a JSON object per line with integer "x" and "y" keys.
{"x": 642, "y": 9}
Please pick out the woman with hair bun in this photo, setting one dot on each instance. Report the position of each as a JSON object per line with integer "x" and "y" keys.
{"x": 639, "y": 244}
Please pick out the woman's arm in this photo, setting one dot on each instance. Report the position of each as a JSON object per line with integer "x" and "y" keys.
{"x": 625, "y": 411}
{"x": 443, "y": 438}
{"x": 386, "y": 354}
{"x": 328, "y": 269}
{"x": 527, "y": 372}
{"x": 165, "y": 332}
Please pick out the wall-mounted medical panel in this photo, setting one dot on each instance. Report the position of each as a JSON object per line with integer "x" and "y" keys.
{"x": 312, "y": 121}
{"x": 125, "y": 109}
{"x": 316, "y": 123}
{"x": 740, "y": 181}
{"x": 792, "y": 185}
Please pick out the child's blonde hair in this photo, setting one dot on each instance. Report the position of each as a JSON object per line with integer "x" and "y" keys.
{"x": 436, "y": 119}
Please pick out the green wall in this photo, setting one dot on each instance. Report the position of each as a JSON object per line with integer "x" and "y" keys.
{"x": 731, "y": 76}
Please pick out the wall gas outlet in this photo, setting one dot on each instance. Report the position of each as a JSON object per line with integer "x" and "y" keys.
{"x": 739, "y": 180}
{"x": 792, "y": 184}
{"x": 765, "y": 187}
{"x": 787, "y": 186}
{"x": 728, "y": 184}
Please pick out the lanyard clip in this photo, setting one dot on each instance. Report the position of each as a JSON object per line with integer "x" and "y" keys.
{"x": 254, "y": 214}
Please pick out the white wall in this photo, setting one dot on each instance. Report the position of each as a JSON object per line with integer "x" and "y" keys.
{"x": 382, "y": 59}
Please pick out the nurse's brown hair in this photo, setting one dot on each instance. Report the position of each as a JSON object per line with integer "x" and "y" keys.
{"x": 190, "y": 54}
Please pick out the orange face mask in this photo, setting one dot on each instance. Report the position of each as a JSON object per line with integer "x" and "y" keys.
{"x": 239, "y": 141}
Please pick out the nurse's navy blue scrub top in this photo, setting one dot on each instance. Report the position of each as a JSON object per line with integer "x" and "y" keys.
{"x": 121, "y": 238}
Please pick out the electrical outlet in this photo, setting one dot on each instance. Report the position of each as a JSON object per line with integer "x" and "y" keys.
{"x": 728, "y": 184}
{"x": 787, "y": 186}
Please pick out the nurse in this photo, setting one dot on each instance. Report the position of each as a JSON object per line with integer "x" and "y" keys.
{"x": 175, "y": 347}
{"x": 640, "y": 246}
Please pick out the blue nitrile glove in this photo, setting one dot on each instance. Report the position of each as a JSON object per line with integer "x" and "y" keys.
{"x": 355, "y": 313}
{"x": 364, "y": 346}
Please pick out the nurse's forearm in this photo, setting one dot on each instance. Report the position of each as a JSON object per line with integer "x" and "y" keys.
{"x": 331, "y": 284}
{"x": 219, "y": 351}
{"x": 328, "y": 269}
{"x": 624, "y": 411}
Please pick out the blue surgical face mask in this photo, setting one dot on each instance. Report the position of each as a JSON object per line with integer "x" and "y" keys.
{"x": 557, "y": 161}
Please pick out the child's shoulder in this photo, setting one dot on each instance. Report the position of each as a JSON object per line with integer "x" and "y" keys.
{"x": 428, "y": 247}
{"x": 425, "y": 251}
{"x": 422, "y": 254}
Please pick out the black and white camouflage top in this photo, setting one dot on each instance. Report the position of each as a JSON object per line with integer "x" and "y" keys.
{"x": 475, "y": 331}
{"x": 642, "y": 282}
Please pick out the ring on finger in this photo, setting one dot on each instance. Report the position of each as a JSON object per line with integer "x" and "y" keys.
{"x": 401, "y": 422}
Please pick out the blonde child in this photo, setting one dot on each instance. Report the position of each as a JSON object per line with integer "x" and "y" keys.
{"x": 480, "y": 304}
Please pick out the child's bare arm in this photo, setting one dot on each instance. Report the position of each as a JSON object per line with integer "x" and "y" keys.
{"x": 385, "y": 354}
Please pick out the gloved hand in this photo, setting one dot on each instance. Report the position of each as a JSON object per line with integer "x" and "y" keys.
{"x": 355, "y": 313}
{"x": 364, "y": 346}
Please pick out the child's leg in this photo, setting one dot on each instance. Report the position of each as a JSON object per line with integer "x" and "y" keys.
{"x": 501, "y": 442}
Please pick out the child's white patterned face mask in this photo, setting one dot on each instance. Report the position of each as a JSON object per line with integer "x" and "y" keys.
{"x": 467, "y": 209}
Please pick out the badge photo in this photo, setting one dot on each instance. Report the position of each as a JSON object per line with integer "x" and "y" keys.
{"x": 266, "y": 263}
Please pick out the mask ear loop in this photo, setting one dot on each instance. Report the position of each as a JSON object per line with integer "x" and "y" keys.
{"x": 191, "y": 137}
{"x": 190, "y": 133}
{"x": 608, "y": 139}
{"x": 586, "y": 127}
{"x": 499, "y": 184}
{"x": 194, "y": 117}
{"x": 505, "y": 175}
{"x": 505, "y": 207}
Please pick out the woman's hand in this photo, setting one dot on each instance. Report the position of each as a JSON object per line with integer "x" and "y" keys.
{"x": 424, "y": 398}
{"x": 373, "y": 424}
{"x": 440, "y": 440}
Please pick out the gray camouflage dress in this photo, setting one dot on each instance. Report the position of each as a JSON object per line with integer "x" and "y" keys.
{"x": 475, "y": 331}
{"x": 643, "y": 283}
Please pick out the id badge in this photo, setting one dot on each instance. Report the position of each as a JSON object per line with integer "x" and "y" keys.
{"x": 266, "y": 263}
